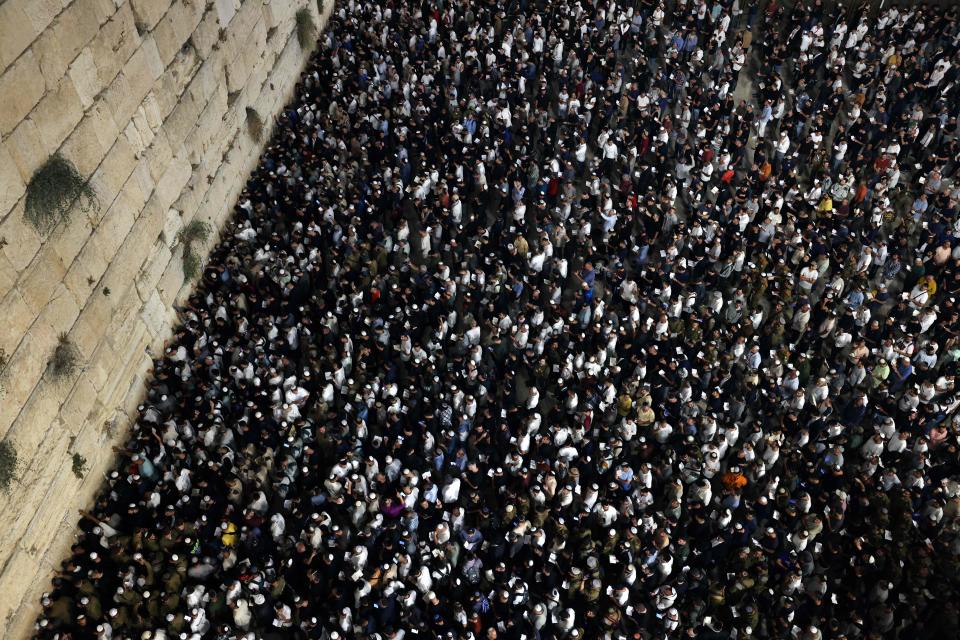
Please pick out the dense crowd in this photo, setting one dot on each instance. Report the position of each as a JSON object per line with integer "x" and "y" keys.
{"x": 544, "y": 320}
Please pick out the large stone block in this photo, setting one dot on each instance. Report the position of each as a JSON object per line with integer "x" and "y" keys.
{"x": 21, "y": 86}
{"x": 69, "y": 33}
{"x": 23, "y": 372}
{"x": 23, "y": 146}
{"x": 16, "y": 31}
{"x": 46, "y": 526}
{"x": 19, "y": 568}
{"x": 149, "y": 12}
{"x": 57, "y": 114}
{"x": 135, "y": 138}
{"x": 117, "y": 224}
{"x": 84, "y": 74}
{"x": 71, "y": 236}
{"x": 143, "y": 179}
{"x": 41, "y": 279}
{"x": 88, "y": 330}
{"x": 172, "y": 224}
{"x": 176, "y": 26}
{"x": 206, "y": 37}
{"x": 60, "y": 314}
{"x": 172, "y": 279}
{"x": 8, "y": 276}
{"x": 88, "y": 266}
{"x": 174, "y": 80}
{"x": 226, "y": 10}
{"x": 151, "y": 111}
{"x": 173, "y": 180}
{"x": 42, "y": 12}
{"x": 158, "y": 156}
{"x": 17, "y": 318}
{"x": 122, "y": 272}
{"x": 20, "y": 240}
{"x": 114, "y": 44}
{"x": 181, "y": 121}
{"x": 153, "y": 269}
{"x": 111, "y": 175}
{"x": 100, "y": 367}
{"x": 104, "y": 125}
{"x": 78, "y": 404}
{"x": 12, "y": 185}
{"x": 131, "y": 86}
{"x": 155, "y": 315}
{"x": 84, "y": 148}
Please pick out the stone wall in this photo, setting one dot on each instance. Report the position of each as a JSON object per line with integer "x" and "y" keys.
{"x": 148, "y": 99}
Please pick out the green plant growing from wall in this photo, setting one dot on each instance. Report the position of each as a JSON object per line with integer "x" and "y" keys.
{"x": 254, "y": 124}
{"x": 53, "y": 189}
{"x": 306, "y": 29}
{"x": 8, "y": 465}
{"x": 196, "y": 231}
{"x": 79, "y": 466}
{"x": 65, "y": 359}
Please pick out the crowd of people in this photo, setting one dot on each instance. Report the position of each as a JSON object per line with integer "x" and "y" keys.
{"x": 559, "y": 320}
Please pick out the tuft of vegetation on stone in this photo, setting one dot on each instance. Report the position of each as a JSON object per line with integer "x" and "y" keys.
{"x": 53, "y": 190}
{"x": 196, "y": 231}
{"x": 8, "y": 465}
{"x": 79, "y": 466}
{"x": 65, "y": 359}
{"x": 306, "y": 29}
{"x": 254, "y": 124}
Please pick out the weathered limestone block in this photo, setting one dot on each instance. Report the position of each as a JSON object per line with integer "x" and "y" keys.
{"x": 152, "y": 270}
{"x": 158, "y": 156}
{"x": 27, "y": 154}
{"x": 181, "y": 121}
{"x": 226, "y": 10}
{"x": 57, "y": 114}
{"x": 206, "y": 37}
{"x": 151, "y": 112}
{"x": 85, "y": 148}
{"x": 23, "y": 372}
{"x": 176, "y": 26}
{"x": 87, "y": 332}
{"x": 172, "y": 279}
{"x": 42, "y": 278}
{"x": 131, "y": 86}
{"x": 111, "y": 175}
{"x": 149, "y": 12}
{"x": 113, "y": 228}
{"x": 174, "y": 81}
{"x": 71, "y": 236}
{"x": 12, "y": 185}
{"x": 172, "y": 224}
{"x": 19, "y": 568}
{"x": 16, "y": 31}
{"x": 78, "y": 404}
{"x": 156, "y": 315}
{"x": 104, "y": 125}
{"x": 101, "y": 366}
{"x": 70, "y": 32}
{"x": 42, "y": 12}
{"x": 60, "y": 313}
{"x": 172, "y": 182}
{"x": 114, "y": 44}
{"x": 8, "y": 276}
{"x": 21, "y": 86}
{"x": 17, "y": 318}
{"x": 85, "y": 76}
